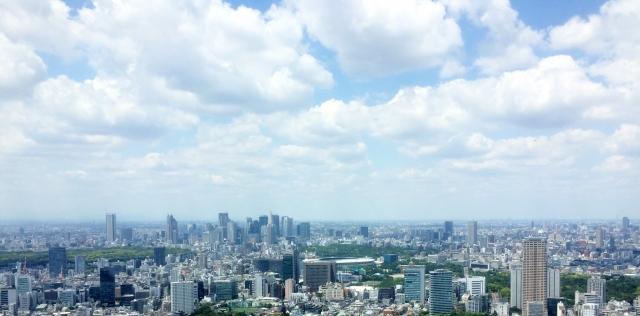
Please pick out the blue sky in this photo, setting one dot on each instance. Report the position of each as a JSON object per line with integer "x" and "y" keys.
{"x": 320, "y": 110}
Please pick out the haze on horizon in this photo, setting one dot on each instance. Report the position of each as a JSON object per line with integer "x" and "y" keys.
{"x": 319, "y": 109}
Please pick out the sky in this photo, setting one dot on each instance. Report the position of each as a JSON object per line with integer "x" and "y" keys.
{"x": 363, "y": 109}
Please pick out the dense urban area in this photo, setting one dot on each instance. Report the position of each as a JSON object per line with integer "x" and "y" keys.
{"x": 274, "y": 265}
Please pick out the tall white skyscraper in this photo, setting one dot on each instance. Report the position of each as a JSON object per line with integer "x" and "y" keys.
{"x": 516, "y": 285}
{"x": 23, "y": 283}
{"x": 80, "y": 264}
{"x": 172, "y": 230}
{"x": 553, "y": 283}
{"x": 414, "y": 283}
{"x": 111, "y": 227}
{"x": 534, "y": 276}
{"x": 184, "y": 297}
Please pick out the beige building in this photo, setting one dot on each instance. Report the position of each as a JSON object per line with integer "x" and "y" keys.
{"x": 534, "y": 276}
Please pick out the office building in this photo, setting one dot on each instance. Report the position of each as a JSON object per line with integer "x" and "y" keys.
{"x": 590, "y": 309}
{"x": 364, "y": 231}
{"x": 477, "y": 304}
{"x": 600, "y": 237}
{"x": 472, "y": 233}
{"x": 414, "y": 287}
{"x": 553, "y": 282}
{"x": 80, "y": 264}
{"x": 516, "y": 285}
{"x": 553, "y": 303}
{"x": 8, "y": 297}
{"x": 107, "y": 287}
{"x": 598, "y": 285}
{"x": 57, "y": 261}
{"x": 304, "y": 231}
{"x": 290, "y": 268}
{"x": 536, "y": 308}
{"x": 111, "y": 227}
{"x": 184, "y": 297}
{"x": 172, "y": 230}
{"x": 440, "y": 292}
{"x": 534, "y": 275}
{"x": 160, "y": 255}
{"x": 23, "y": 283}
{"x": 287, "y": 227}
{"x": 225, "y": 290}
{"x": 274, "y": 220}
{"x": 289, "y": 288}
{"x": 475, "y": 285}
{"x": 126, "y": 234}
{"x": 223, "y": 219}
{"x": 317, "y": 273}
{"x": 448, "y": 230}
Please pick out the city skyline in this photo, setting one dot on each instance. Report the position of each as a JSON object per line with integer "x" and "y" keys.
{"x": 411, "y": 110}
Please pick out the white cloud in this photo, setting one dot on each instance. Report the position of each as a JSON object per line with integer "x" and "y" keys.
{"x": 375, "y": 38}
{"x": 509, "y": 43}
{"x": 610, "y": 33}
{"x": 20, "y": 68}
{"x": 626, "y": 140}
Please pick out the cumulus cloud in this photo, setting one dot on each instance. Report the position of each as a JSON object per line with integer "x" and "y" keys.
{"x": 20, "y": 68}
{"x": 374, "y": 38}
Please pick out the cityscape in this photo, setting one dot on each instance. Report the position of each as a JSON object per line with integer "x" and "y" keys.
{"x": 320, "y": 157}
{"x": 276, "y": 265}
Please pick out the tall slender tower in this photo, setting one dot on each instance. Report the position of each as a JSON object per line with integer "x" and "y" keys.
{"x": 534, "y": 277}
{"x": 472, "y": 233}
{"x": 172, "y": 230}
{"x": 111, "y": 227}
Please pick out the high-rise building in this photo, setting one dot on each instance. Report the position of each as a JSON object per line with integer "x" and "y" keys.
{"x": 57, "y": 261}
{"x": 625, "y": 228}
{"x": 126, "y": 234}
{"x": 172, "y": 230}
{"x": 414, "y": 283}
{"x": 598, "y": 285}
{"x": 318, "y": 272}
{"x": 364, "y": 231}
{"x": 600, "y": 237}
{"x": 472, "y": 233}
{"x": 553, "y": 283}
{"x": 304, "y": 231}
{"x": 23, "y": 283}
{"x": 111, "y": 227}
{"x": 476, "y": 285}
{"x": 159, "y": 256}
{"x": 223, "y": 219}
{"x": 80, "y": 264}
{"x": 288, "y": 288}
{"x": 275, "y": 221}
{"x": 534, "y": 276}
{"x": 290, "y": 266}
{"x": 287, "y": 226}
{"x": 553, "y": 304}
{"x": 516, "y": 285}
{"x": 184, "y": 297}
{"x": 440, "y": 292}
{"x": 448, "y": 230}
{"x": 107, "y": 287}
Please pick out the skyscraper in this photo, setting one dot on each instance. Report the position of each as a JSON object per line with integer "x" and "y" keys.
{"x": 80, "y": 264}
{"x": 364, "y": 231}
{"x": 290, "y": 266}
{"x": 534, "y": 276}
{"x": 172, "y": 230}
{"x": 414, "y": 283}
{"x": 223, "y": 219}
{"x": 516, "y": 285}
{"x": 553, "y": 283}
{"x": 111, "y": 227}
{"x": 304, "y": 231}
{"x": 287, "y": 227}
{"x": 318, "y": 272}
{"x": 600, "y": 237}
{"x": 184, "y": 297}
{"x": 598, "y": 285}
{"x": 448, "y": 230}
{"x": 472, "y": 232}
{"x": 57, "y": 261}
{"x": 275, "y": 221}
{"x": 159, "y": 256}
{"x": 107, "y": 287}
{"x": 440, "y": 292}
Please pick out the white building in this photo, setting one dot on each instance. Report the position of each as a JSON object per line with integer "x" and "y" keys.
{"x": 184, "y": 297}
